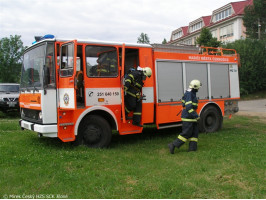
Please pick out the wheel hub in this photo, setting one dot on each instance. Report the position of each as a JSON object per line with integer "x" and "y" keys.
{"x": 92, "y": 135}
{"x": 209, "y": 120}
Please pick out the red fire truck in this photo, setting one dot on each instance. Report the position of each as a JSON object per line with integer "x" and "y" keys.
{"x": 73, "y": 89}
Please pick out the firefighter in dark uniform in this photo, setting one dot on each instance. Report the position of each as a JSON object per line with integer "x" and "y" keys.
{"x": 189, "y": 119}
{"x": 133, "y": 86}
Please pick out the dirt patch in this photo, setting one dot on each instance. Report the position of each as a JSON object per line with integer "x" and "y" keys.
{"x": 261, "y": 115}
{"x": 253, "y": 108}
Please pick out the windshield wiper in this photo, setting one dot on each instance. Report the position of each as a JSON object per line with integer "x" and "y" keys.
{"x": 35, "y": 89}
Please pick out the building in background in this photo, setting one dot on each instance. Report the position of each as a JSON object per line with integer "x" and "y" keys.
{"x": 225, "y": 23}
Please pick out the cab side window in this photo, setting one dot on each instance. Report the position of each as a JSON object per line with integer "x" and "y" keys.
{"x": 49, "y": 69}
{"x": 101, "y": 61}
{"x": 67, "y": 60}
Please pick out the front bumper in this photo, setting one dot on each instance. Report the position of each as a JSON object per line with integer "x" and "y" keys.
{"x": 44, "y": 130}
{"x": 9, "y": 105}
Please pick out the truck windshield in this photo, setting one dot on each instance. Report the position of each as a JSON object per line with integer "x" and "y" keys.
{"x": 9, "y": 88}
{"x": 38, "y": 67}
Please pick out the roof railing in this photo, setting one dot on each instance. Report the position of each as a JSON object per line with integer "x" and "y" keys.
{"x": 217, "y": 51}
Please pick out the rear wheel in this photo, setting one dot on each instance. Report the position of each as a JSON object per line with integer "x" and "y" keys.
{"x": 94, "y": 131}
{"x": 210, "y": 120}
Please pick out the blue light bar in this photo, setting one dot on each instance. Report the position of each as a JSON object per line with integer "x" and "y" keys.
{"x": 48, "y": 36}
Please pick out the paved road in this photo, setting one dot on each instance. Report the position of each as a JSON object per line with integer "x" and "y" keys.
{"x": 252, "y": 107}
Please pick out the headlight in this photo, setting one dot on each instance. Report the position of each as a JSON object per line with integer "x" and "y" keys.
{"x": 40, "y": 115}
{"x": 22, "y": 113}
{"x": 1, "y": 99}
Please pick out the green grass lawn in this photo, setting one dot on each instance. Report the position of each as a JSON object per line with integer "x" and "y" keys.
{"x": 228, "y": 164}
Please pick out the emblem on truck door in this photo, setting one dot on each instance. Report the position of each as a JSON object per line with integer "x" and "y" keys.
{"x": 66, "y": 99}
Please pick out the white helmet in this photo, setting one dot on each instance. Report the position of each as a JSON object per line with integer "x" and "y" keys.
{"x": 147, "y": 71}
{"x": 195, "y": 84}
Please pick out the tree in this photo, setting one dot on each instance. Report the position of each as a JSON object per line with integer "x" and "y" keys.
{"x": 143, "y": 38}
{"x": 206, "y": 39}
{"x": 11, "y": 50}
{"x": 252, "y": 72}
{"x": 255, "y": 20}
{"x": 164, "y": 41}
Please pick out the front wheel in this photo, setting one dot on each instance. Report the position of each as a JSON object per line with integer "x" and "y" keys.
{"x": 211, "y": 120}
{"x": 94, "y": 131}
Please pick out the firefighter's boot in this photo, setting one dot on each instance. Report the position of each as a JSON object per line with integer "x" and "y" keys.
{"x": 171, "y": 148}
{"x": 178, "y": 143}
{"x": 193, "y": 146}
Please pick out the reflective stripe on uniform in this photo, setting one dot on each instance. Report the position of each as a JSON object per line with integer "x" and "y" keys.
{"x": 182, "y": 138}
{"x": 188, "y": 120}
{"x": 128, "y": 80}
{"x": 127, "y": 110}
{"x": 131, "y": 76}
{"x": 193, "y": 139}
{"x": 189, "y": 102}
{"x": 131, "y": 94}
{"x": 137, "y": 84}
{"x": 136, "y": 113}
{"x": 191, "y": 110}
{"x": 102, "y": 70}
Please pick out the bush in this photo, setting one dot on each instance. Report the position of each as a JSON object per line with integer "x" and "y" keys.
{"x": 252, "y": 71}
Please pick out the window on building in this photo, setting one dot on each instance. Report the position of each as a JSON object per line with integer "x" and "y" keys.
{"x": 196, "y": 26}
{"x": 177, "y": 35}
{"x": 194, "y": 41}
{"x": 223, "y": 14}
{"x": 214, "y": 33}
{"x": 188, "y": 41}
{"x": 226, "y": 31}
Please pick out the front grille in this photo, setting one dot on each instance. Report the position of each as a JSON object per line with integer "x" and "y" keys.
{"x": 31, "y": 115}
{"x": 10, "y": 99}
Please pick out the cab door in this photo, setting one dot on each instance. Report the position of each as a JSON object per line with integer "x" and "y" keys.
{"x": 130, "y": 58}
{"x": 68, "y": 59}
{"x": 66, "y": 91}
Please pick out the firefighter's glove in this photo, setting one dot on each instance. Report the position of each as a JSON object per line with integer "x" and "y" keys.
{"x": 138, "y": 95}
{"x": 198, "y": 118}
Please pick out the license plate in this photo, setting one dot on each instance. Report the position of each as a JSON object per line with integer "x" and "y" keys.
{"x": 12, "y": 104}
{"x": 26, "y": 126}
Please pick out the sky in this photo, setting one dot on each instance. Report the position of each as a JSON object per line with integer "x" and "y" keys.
{"x": 107, "y": 20}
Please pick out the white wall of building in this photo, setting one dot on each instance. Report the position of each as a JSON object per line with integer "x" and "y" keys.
{"x": 227, "y": 31}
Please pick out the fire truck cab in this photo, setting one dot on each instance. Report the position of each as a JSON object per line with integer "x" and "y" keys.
{"x": 73, "y": 89}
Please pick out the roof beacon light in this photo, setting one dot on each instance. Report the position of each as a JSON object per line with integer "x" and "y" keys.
{"x": 39, "y": 38}
{"x": 48, "y": 36}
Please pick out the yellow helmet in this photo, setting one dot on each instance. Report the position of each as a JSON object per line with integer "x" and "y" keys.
{"x": 147, "y": 71}
{"x": 195, "y": 84}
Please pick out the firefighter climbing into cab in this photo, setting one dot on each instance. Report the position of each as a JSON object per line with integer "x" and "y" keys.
{"x": 189, "y": 119}
{"x": 134, "y": 81}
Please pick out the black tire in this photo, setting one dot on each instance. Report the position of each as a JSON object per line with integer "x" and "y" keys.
{"x": 211, "y": 120}
{"x": 94, "y": 131}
